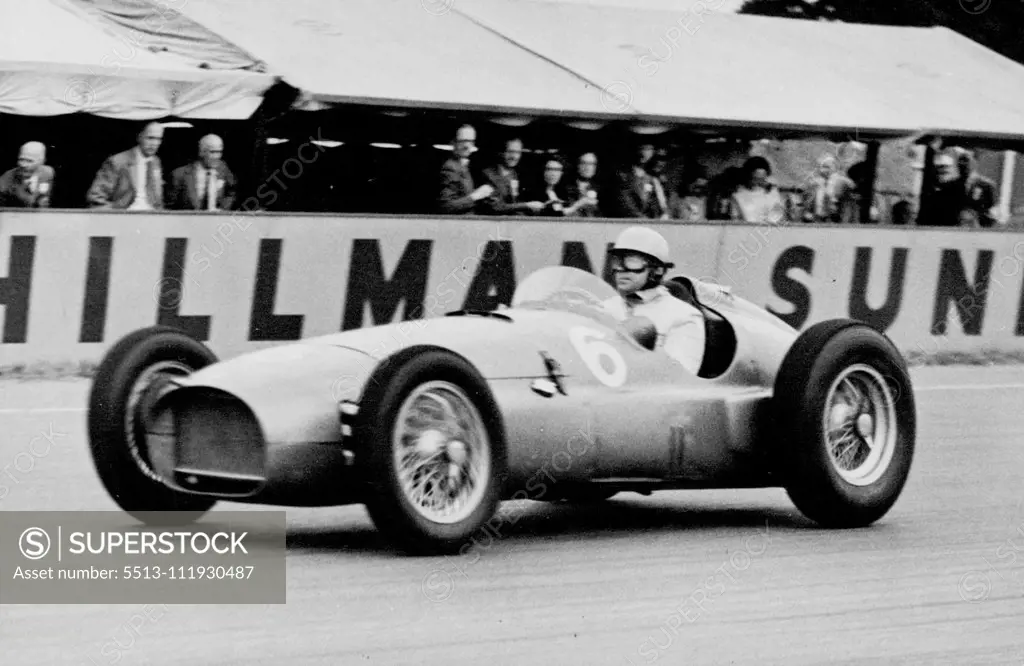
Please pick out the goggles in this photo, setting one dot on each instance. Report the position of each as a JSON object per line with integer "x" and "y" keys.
{"x": 629, "y": 265}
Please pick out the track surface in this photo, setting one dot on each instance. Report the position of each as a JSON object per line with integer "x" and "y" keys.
{"x": 677, "y": 578}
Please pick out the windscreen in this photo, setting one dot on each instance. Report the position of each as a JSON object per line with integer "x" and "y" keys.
{"x": 570, "y": 289}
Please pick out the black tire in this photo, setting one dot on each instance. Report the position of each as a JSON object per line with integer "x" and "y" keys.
{"x": 388, "y": 504}
{"x": 821, "y": 355}
{"x": 117, "y": 445}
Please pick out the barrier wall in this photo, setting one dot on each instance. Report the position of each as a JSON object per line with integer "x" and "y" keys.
{"x": 73, "y": 282}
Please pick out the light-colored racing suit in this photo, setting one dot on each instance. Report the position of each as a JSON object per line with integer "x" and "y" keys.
{"x": 680, "y": 326}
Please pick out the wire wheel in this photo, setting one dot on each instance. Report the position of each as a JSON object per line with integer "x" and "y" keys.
{"x": 859, "y": 423}
{"x": 442, "y": 452}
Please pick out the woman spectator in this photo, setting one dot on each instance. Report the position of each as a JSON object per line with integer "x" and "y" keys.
{"x": 551, "y": 192}
{"x": 757, "y": 199}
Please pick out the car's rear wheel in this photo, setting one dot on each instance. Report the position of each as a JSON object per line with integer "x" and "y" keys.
{"x": 846, "y": 423}
{"x": 435, "y": 452}
{"x": 131, "y": 376}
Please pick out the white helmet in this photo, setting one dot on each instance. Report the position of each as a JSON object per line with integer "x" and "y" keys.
{"x": 645, "y": 241}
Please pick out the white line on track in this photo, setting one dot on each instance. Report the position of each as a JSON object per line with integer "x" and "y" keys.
{"x": 917, "y": 389}
{"x": 41, "y": 410}
{"x": 968, "y": 387}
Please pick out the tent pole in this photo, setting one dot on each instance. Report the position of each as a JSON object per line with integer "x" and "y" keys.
{"x": 867, "y": 192}
{"x": 1006, "y": 186}
{"x": 927, "y": 181}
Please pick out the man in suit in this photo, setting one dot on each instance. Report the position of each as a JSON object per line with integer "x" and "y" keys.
{"x": 638, "y": 192}
{"x": 205, "y": 184}
{"x": 979, "y": 192}
{"x": 946, "y": 198}
{"x": 583, "y": 189}
{"x": 457, "y": 195}
{"x": 30, "y": 184}
{"x": 504, "y": 177}
{"x": 133, "y": 179}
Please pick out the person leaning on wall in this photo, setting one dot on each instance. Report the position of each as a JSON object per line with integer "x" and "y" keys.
{"x": 30, "y": 184}
{"x": 457, "y": 193}
{"x": 133, "y": 179}
{"x": 980, "y": 193}
{"x": 582, "y": 190}
{"x": 757, "y": 199}
{"x": 829, "y": 194}
{"x": 206, "y": 183}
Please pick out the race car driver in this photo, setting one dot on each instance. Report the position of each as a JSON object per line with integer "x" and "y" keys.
{"x": 639, "y": 260}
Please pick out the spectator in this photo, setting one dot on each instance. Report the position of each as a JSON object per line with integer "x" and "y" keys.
{"x": 689, "y": 203}
{"x": 946, "y": 198}
{"x": 829, "y": 194}
{"x": 504, "y": 178}
{"x": 638, "y": 193}
{"x": 757, "y": 199}
{"x": 550, "y": 191}
{"x": 30, "y": 184}
{"x": 205, "y": 184}
{"x": 583, "y": 190}
{"x": 458, "y": 196}
{"x": 902, "y": 212}
{"x": 979, "y": 191}
{"x": 658, "y": 168}
{"x": 133, "y": 179}
{"x": 720, "y": 191}
{"x": 858, "y": 173}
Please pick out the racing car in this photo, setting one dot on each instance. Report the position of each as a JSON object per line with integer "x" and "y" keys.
{"x": 433, "y": 423}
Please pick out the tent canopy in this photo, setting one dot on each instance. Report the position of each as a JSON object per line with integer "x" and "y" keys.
{"x": 396, "y": 52}
{"x": 141, "y": 59}
{"x": 752, "y": 70}
{"x": 546, "y": 56}
{"x": 69, "y": 64}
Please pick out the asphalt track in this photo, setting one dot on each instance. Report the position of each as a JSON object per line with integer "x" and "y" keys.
{"x": 677, "y": 578}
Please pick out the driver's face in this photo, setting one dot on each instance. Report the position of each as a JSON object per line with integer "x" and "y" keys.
{"x": 631, "y": 273}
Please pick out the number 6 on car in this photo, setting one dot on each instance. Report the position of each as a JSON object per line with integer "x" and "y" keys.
{"x": 593, "y": 349}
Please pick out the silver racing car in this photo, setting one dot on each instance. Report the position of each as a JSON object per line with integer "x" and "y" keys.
{"x": 432, "y": 423}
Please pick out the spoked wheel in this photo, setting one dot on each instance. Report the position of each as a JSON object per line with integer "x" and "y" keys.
{"x": 442, "y": 452}
{"x": 133, "y": 374}
{"x": 860, "y": 424}
{"x": 431, "y": 435}
{"x": 845, "y": 423}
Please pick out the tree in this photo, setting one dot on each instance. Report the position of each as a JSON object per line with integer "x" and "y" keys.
{"x": 995, "y": 24}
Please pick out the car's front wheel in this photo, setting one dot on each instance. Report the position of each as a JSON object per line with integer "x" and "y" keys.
{"x": 846, "y": 423}
{"x": 434, "y": 445}
{"x": 126, "y": 384}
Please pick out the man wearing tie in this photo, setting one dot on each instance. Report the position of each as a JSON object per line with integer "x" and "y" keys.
{"x": 131, "y": 180}
{"x": 28, "y": 185}
{"x": 457, "y": 194}
{"x": 504, "y": 178}
{"x": 205, "y": 184}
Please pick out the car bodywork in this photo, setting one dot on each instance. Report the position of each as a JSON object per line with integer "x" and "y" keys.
{"x": 580, "y": 401}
